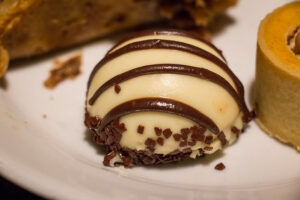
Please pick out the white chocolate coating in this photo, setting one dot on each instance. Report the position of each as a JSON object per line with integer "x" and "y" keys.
{"x": 133, "y": 140}
{"x": 210, "y": 98}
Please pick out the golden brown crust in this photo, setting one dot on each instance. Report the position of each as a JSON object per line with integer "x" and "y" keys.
{"x": 4, "y": 59}
{"x": 200, "y": 12}
{"x": 63, "y": 70}
{"x": 31, "y": 27}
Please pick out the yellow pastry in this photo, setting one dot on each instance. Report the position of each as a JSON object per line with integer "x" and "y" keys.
{"x": 277, "y": 86}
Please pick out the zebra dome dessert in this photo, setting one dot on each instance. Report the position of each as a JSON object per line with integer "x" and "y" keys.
{"x": 162, "y": 96}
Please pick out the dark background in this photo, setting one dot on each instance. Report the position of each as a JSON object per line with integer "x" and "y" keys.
{"x": 9, "y": 190}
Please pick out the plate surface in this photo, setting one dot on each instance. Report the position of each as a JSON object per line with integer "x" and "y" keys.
{"x": 55, "y": 157}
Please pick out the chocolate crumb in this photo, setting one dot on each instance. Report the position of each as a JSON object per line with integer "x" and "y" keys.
{"x": 184, "y": 136}
{"x": 117, "y": 88}
{"x": 111, "y": 135}
{"x": 120, "y": 127}
{"x": 222, "y": 138}
{"x": 126, "y": 161}
{"x": 160, "y": 141}
{"x": 140, "y": 129}
{"x": 158, "y": 131}
{"x": 108, "y": 158}
{"x": 63, "y": 70}
{"x": 183, "y": 143}
{"x": 197, "y": 133}
{"x": 150, "y": 143}
{"x": 235, "y": 130}
{"x": 177, "y": 137}
{"x": 220, "y": 166}
{"x": 201, "y": 152}
{"x": 185, "y": 131}
{"x": 167, "y": 133}
{"x": 187, "y": 150}
{"x": 192, "y": 143}
{"x": 199, "y": 129}
{"x": 91, "y": 122}
{"x": 208, "y": 148}
{"x": 176, "y": 151}
{"x": 44, "y": 116}
{"x": 208, "y": 139}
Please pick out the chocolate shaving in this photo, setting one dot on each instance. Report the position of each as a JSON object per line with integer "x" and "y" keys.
{"x": 201, "y": 152}
{"x": 160, "y": 141}
{"x": 208, "y": 148}
{"x": 236, "y": 131}
{"x": 110, "y": 138}
{"x": 117, "y": 88}
{"x": 108, "y": 158}
{"x": 140, "y": 129}
{"x": 150, "y": 143}
{"x": 91, "y": 122}
{"x": 197, "y": 133}
{"x": 183, "y": 143}
{"x": 158, "y": 131}
{"x": 220, "y": 167}
{"x": 208, "y": 139}
{"x": 177, "y": 137}
{"x": 222, "y": 138}
{"x": 167, "y": 133}
{"x": 185, "y": 131}
{"x": 126, "y": 161}
{"x": 187, "y": 150}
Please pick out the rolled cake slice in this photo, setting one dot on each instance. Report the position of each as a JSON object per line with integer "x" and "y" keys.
{"x": 277, "y": 86}
{"x": 34, "y": 27}
{"x": 163, "y": 96}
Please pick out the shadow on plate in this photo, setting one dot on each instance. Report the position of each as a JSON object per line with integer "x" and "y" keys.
{"x": 220, "y": 23}
{"x": 251, "y": 94}
{"x": 3, "y": 83}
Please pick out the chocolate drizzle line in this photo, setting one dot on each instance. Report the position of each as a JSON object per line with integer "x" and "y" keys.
{"x": 172, "y": 69}
{"x": 173, "y": 32}
{"x": 167, "y": 44}
{"x": 159, "y": 105}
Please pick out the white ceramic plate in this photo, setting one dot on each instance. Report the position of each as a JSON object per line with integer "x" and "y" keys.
{"x": 55, "y": 158}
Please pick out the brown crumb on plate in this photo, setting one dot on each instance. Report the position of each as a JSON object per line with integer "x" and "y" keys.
{"x": 220, "y": 166}
{"x": 44, "y": 116}
{"x": 63, "y": 70}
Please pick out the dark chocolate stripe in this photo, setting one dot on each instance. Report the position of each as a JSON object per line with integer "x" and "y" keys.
{"x": 171, "y": 69}
{"x": 167, "y": 32}
{"x": 159, "y": 105}
{"x": 166, "y": 44}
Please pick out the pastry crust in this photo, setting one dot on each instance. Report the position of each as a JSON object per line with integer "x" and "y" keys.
{"x": 31, "y": 27}
{"x": 277, "y": 87}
